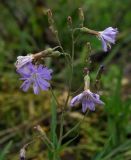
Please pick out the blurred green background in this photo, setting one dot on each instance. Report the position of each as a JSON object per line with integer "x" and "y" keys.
{"x": 105, "y": 134}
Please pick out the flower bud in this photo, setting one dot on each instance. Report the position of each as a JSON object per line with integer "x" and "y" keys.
{"x": 22, "y": 154}
{"x": 86, "y": 71}
{"x": 39, "y": 129}
{"x": 50, "y": 18}
{"x": 56, "y": 54}
{"x": 69, "y": 20}
{"x": 81, "y": 16}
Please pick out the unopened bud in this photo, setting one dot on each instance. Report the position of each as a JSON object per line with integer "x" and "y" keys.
{"x": 49, "y": 12}
{"x": 88, "y": 45}
{"x": 56, "y": 54}
{"x": 22, "y": 154}
{"x": 39, "y": 129}
{"x": 69, "y": 20}
{"x": 50, "y": 18}
{"x": 81, "y": 15}
{"x": 43, "y": 134}
{"x": 86, "y": 71}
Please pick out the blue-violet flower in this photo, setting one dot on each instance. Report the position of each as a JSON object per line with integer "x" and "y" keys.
{"x": 107, "y": 37}
{"x": 36, "y": 76}
{"x": 88, "y": 100}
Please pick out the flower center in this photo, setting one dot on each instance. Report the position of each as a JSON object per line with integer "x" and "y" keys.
{"x": 34, "y": 75}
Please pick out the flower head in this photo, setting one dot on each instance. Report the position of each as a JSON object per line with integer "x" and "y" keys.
{"x": 36, "y": 76}
{"x": 107, "y": 37}
{"x": 88, "y": 100}
{"x": 23, "y": 60}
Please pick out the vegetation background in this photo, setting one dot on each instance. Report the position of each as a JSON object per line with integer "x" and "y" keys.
{"x": 105, "y": 134}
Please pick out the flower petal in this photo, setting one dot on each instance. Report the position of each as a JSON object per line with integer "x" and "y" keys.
{"x": 108, "y": 36}
{"x": 25, "y": 85}
{"x": 96, "y": 99}
{"x": 43, "y": 84}
{"x": 91, "y": 105}
{"x": 76, "y": 100}
{"x": 22, "y": 60}
{"x": 36, "y": 87}
{"x": 84, "y": 105}
{"x": 104, "y": 45}
{"x": 109, "y": 39}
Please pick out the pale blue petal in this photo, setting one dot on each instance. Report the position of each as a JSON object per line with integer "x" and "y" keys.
{"x": 25, "y": 85}
{"x": 91, "y": 105}
{"x": 36, "y": 88}
{"x": 84, "y": 105}
{"x": 109, "y": 39}
{"x": 104, "y": 45}
{"x": 76, "y": 100}
{"x": 43, "y": 84}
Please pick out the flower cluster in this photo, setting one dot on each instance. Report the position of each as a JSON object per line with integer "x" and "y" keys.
{"x": 39, "y": 76}
{"x": 35, "y": 75}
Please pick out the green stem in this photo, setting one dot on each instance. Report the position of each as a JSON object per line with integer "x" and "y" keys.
{"x": 89, "y": 31}
{"x": 54, "y": 96}
{"x": 61, "y": 129}
{"x": 53, "y": 154}
{"x": 76, "y": 126}
{"x": 72, "y": 37}
{"x": 62, "y": 114}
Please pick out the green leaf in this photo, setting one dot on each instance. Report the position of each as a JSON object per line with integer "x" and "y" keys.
{"x": 4, "y": 152}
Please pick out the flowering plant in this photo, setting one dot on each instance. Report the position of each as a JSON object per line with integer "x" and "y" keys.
{"x": 36, "y": 75}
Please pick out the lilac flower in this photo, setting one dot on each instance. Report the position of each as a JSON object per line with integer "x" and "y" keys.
{"x": 107, "y": 37}
{"x": 36, "y": 76}
{"x": 88, "y": 100}
{"x": 22, "y": 60}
